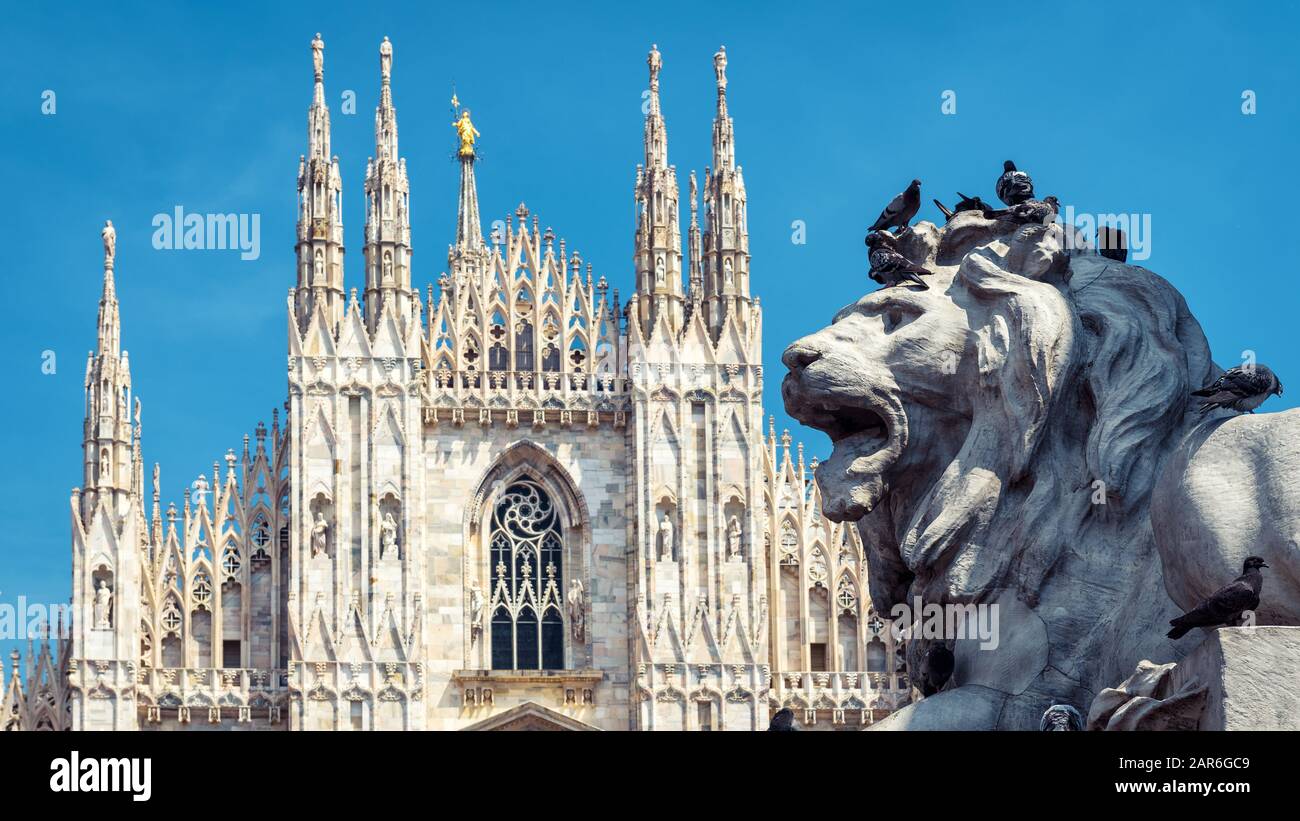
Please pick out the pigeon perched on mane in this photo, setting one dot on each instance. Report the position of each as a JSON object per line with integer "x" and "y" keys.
{"x": 888, "y": 266}
{"x": 1014, "y": 186}
{"x": 1242, "y": 388}
{"x": 1227, "y": 604}
{"x": 900, "y": 210}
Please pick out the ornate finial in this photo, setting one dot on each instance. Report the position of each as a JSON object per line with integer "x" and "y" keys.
{"x": 385, "y": 60}
{"x": 720, "y": 68}
{"x": 318, "y": 57}
{"x": 655, "y": 62}
{"x": 109, "y": 235}
{"x": 467, "y": 132}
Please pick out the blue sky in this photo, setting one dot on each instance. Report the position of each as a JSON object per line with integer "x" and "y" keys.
{"x": 1112, "y": 107}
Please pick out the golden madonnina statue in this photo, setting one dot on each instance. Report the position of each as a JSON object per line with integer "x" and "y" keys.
{"x": 465, "y": 128}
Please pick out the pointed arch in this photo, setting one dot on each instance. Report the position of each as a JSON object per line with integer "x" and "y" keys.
{"x": 535, "y": 582}
{"x": 523, "y": 457}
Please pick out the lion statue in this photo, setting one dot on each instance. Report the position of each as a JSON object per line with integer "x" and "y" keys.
{"x": 1020, "y": 435}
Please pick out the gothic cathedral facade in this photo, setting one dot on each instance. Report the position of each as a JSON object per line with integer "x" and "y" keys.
{"x": 517, "y": 502}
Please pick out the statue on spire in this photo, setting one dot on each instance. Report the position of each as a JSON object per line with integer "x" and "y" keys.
{"x": 655, "y": 62}
{"x": 467, "y": 132}
{"x": 109, "y": 235}
{"x": 318, "y": 56}
{"x": 386, "y": 59}
{"x": 720, "y": 67}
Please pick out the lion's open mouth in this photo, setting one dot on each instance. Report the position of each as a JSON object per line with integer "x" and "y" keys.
{"x": 857, "y": 428}
{"x": 848, "y": 421}
{"x": 868, "y": 433}
{"x": 861, "y": 454}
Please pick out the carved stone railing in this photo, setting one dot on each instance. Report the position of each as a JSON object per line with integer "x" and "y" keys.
{"x": 523, "y": 397}
{"x": 210, "y": 694}
{"x": 572, "y": 687}
{"x": 848, "y": 697}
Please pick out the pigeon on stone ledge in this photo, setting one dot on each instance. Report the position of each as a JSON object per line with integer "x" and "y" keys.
{"x": 888, "y": 267}
{"x": 1014, "y": 186}
{"x": 900, "y": 210}
{"x": 939, "y": 664}
{"x": 1226, "y": 605}
{"x": 1242, "y": 388}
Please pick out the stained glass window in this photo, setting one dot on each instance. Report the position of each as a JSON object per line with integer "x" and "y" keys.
{"x": 527, "y": 580}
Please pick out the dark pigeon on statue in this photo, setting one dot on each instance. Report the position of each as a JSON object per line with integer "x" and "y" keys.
{"x": 938, "y": 667}
{"x": 1112, "y": 244}
{"x": 1227, "y": 604}
{"x": 1242, "y": 388}
{"x": 1014, "y": 186}
{"x": 783, "y": 721}
{"x": 900, "y": 210}
{"x": 1060, "y": 718}
{"x": 888, "y": 267}
{"x": 974, "y": 204}
{"x": 1037, "y": 212}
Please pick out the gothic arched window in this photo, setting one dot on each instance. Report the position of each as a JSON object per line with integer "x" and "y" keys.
{"x": 524, "y": 346}
{"x": 527, "y": 580}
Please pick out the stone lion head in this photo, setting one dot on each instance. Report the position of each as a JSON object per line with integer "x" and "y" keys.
{"x": 999, "y": 434}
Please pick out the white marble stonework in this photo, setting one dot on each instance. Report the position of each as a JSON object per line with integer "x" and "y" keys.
{"x": 337, "y": 571}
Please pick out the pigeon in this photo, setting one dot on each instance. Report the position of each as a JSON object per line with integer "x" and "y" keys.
{"x": 1060, "y": 718}
{"x": 888, "y": 267}
{"x": 1014, "y": 186}
{"x": 1034, "y": 211}
{"x": 1242, "y": 388}
{"x": 1227, "y": 603}
{"x": 974, "y": 204}
{"x": 900, "y": 210}
{"x": 783, "y": 721}
{"x": 1112, "y": 244}
{"x": 938, "y": 665}
{"x": 964, "y": 204}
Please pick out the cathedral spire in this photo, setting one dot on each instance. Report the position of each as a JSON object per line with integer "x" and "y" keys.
{"x": 320, "y": 219}
{"x": 318, "y": 117}
{"x": 724, "y": 146}
{"x": 695, "y": 288}
{"x": 107, "y": 435}
{"x": 658, "y": 248}
{"x": 726, "y": 233}
{"x": 469, "y": 233}
{"x": 388, "y": 228}
{"x": 656, "y": 133}
{"x": 469, "y": 253}
{"x": 110, "y": 324}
